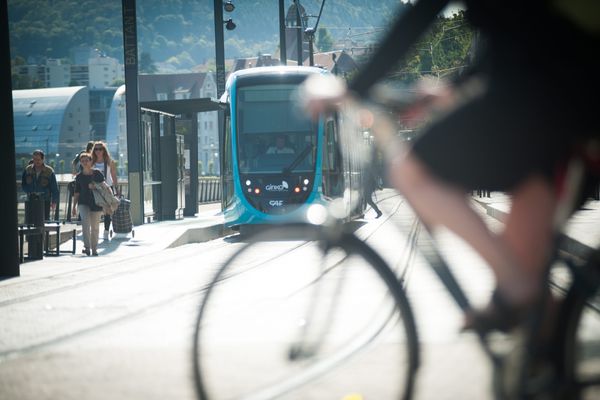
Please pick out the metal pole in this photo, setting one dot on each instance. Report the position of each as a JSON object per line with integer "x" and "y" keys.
{"x": 299, "y": 33}
{"x": 134, "y": 138}
{"x": 191, "y": 139}
{"x": 220, "y": 65}
{"x": 282, "y": 44}
{"x": 219, "y": 47}
{"x": 310, "y": 33}
{"x": 9, "y": 257}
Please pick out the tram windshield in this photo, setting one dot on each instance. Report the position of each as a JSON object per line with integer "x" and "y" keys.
{"x": 274, "y": 134}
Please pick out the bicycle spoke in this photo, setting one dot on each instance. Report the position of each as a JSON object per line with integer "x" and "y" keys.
{"x": 302, "y": 326}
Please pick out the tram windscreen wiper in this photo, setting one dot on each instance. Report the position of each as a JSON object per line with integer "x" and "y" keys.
{"x": 298, "y": 160}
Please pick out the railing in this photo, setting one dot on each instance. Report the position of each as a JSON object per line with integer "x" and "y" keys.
{"x": 209, "y": 191}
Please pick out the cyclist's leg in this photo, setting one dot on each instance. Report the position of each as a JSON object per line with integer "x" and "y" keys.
{"x": 477, "y": 146}
{"x": 440, "y": 204}
{"x": 528, "y": 234}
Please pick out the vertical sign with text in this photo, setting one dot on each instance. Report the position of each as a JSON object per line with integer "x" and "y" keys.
{"x": 134, "y": 142}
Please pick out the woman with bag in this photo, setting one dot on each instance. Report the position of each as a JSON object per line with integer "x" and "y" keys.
{"x": 83, "y": 199}
{"x": 104, "y": 163}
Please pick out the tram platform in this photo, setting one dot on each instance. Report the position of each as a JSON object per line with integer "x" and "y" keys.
{"x": 582, "y": 232}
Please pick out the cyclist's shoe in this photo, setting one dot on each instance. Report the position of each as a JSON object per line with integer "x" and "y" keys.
{"x": 499, "y": 315}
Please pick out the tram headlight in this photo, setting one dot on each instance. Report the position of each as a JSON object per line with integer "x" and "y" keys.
{"x": 296, "y": 189}
{"x": 306, "y": 181}
{"x": 256, "y": 190}
{"x": 248, "y": 182}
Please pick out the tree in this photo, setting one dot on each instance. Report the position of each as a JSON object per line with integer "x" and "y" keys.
{"x": 20, "y": 81}
{"x": 147, "y": 64}
{"x": 324, "y": 40}
{"x": 443, "y": 51}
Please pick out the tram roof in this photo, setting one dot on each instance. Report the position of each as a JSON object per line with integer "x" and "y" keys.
{"x": 182, "y": 106}
{"x": 277, "y": 70}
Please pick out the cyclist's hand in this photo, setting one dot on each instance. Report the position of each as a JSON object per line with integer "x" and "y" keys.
{"x": 430, "y": 97}
{"x": 321, "y": 93}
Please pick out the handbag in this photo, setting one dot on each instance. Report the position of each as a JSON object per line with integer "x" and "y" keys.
{"x": 104, "y": 197}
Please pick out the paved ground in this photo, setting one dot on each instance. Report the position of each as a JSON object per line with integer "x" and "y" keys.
{"x": 443, "y": 344}
{"x": 582, "y": 228}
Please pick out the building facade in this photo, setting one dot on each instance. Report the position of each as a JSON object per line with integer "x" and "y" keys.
{"x": 97, "y": 71}
{"x": 116, "y": 130}
{"x": 55, "y": 120}
{"x": 103, "y": 71}
{"x": 100, "y": 103}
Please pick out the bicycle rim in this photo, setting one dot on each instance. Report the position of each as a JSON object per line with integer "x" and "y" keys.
{"x": 287, "y": 320}
{"x": 581, "y": 369}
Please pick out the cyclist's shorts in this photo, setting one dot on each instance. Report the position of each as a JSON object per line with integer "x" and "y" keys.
{"x": 495, "y": 141}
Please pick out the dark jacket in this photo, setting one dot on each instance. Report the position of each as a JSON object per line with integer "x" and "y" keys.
{"x": 44, "y": 183}
{"x": 86, "y": 197}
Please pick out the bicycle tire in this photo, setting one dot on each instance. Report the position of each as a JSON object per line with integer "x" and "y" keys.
{"x": 579, "y": 339}
{"x": 221, "y": 371}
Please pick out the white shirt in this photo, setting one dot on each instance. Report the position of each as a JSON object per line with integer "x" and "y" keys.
{"x": 108, "y": 176}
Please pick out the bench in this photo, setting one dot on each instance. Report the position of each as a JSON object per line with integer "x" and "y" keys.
{"x": 55, "y": 227}
{"x": 27, "y": 231}
{"x": 32, "y": 231}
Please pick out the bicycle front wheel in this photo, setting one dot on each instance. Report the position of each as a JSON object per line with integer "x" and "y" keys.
{"x": 305, "y": 319}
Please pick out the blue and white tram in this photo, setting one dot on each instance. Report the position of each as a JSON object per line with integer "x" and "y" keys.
{"x": 275, "y": 161}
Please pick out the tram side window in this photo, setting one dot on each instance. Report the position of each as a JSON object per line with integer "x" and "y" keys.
{"x": 332, "y": 177}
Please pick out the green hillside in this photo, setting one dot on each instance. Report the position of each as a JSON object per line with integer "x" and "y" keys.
{"x": 179, "y": 34}
{"x": 172, "y": 28}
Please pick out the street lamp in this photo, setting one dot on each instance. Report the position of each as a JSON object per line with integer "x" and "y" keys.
{"x": 220, "y": 42}
{"x": 228, "y": 6}
{"x": 229, "y": 24}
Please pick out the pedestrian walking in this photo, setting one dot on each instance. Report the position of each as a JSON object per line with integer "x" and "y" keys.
{"x": 40, "y": 179}
{"x": 103, "y": 162}
{"x": 370, "y": 185}
{"x": 76, "y": 164}
{"x": 77, "y": 168}
{"x": 83, "y": 201}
